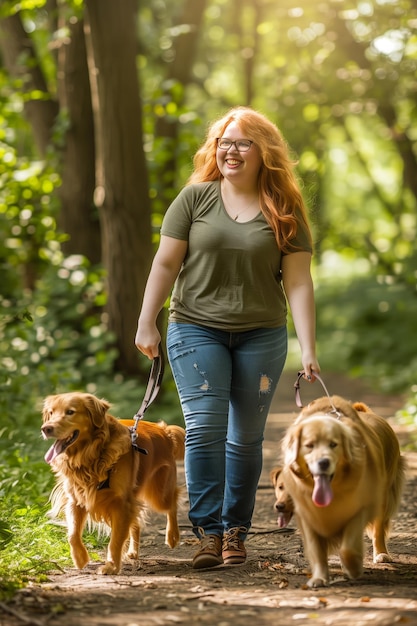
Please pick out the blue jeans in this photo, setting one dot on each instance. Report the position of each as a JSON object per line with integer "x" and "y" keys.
{"x": 225, "y": 381}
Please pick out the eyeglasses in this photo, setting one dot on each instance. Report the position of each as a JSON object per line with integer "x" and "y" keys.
{"x": 241, "y": 145}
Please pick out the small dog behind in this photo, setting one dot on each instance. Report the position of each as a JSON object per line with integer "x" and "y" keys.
{"x": 345, "y": 473}
{"x": 284, "y": 506}
{"x": 101, "y": 476}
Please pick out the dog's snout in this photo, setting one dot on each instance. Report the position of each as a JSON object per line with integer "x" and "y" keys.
{"x": 324, "y": 464}
{"x": 280, "y": 507}
{"x": 47, "y": 429}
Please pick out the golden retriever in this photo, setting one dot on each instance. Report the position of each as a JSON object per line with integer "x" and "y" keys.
{"x": 345, "y": 474}
{"x": 101, "y": 476}
{"x": 284, "y": 505}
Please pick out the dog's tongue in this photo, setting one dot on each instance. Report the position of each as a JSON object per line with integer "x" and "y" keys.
{"x": 281, "y": 521}
{"x": 322, "y": 492}
{"x": 53, "y": 451}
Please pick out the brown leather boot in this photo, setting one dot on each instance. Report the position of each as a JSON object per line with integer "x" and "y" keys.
{"x": 209, "y": 553}
{"x": 233, "y": 549}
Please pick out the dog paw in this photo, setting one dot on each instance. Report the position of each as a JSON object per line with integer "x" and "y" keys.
{"x": 382, "y": 557}
{"x": 108, "y": 568}
{"x": 172, "y": 538}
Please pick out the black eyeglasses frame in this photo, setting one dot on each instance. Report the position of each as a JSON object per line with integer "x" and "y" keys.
{"x": 218, "y": 139}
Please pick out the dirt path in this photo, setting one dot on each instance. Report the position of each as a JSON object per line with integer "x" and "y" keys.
{"x": 270, "y": 588}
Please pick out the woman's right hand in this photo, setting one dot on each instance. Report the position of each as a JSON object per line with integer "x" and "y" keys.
{"x": 147, "y": 339}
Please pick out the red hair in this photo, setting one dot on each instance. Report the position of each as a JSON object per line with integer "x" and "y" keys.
{"x": 281, "y": 201}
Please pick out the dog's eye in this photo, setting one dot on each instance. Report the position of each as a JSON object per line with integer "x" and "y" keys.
{"x": 333, "y": 444}
{"x": 309, "y": 445}
{"x": 69, "y": 412}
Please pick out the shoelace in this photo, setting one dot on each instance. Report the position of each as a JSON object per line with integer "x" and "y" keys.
{"x": 207, "y": 541}
{"x": 232, "y": 537}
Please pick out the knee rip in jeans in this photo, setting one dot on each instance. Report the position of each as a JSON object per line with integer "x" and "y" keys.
{"x": 264, "y": 384}
{"x": 205, "y": 386}
{"x": 264, "y": 388}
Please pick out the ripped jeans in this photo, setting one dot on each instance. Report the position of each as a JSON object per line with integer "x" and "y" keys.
{"x": 225, "y": 381}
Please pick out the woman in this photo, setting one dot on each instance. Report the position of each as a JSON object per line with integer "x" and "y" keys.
{"x": 233, "y": 241}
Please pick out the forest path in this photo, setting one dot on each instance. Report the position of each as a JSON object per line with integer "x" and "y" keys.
{"x": 270, "y": 588}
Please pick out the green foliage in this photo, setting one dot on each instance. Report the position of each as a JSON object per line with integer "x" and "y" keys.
{"x": 31, "y": 544}
{"x": 6, "y": 534}
{"x": 56, "y": 340}
{"x": 28, "y": 546}
{"x": 408, "y": 417}
{"x": 29, "y": 241}
{"x": 47, "y": 353}
{"x": 366, "y": 328}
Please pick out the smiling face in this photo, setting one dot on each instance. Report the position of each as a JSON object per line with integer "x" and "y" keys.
{"x": 241, "y": 168}
{"x": 322, "y": 446}
{"x": 71, "y": 419}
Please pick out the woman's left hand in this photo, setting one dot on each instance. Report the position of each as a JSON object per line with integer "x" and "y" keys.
{"x": 310, "y": 365}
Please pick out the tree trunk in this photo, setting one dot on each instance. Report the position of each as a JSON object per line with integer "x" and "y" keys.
{"x": 78, "y": 216}
{"x": 122, "y": 194}
{"x": 250, "y": 41}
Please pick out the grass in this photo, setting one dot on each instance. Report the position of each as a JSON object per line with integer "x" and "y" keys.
{"x": 31, "y": 544}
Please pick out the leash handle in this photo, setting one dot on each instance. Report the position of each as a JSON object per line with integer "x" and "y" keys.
{"x": 298, "y": 402}
{"x": 152, "y": 389}
{"x": 154, "y": 384}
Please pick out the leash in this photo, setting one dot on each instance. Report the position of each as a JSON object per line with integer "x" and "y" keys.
{"x": 152, "y": 389}
{"x": 298, "y": 402}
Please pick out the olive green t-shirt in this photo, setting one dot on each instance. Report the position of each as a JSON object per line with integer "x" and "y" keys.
{"x": 230, "y": 278}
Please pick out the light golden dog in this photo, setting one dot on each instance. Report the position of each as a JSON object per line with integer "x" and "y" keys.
{"x": 345, "y": 473}
{"x": 284, "y": 506}
{"x": 101, "y": 476}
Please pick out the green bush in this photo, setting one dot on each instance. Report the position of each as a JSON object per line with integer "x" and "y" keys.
{"x": 366, "y": 328}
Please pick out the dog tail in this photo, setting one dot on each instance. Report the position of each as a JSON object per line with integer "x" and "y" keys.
{"x": 397, "y": 486}
{"x": 58, "y": 500}
{"x": 177, "y": 435}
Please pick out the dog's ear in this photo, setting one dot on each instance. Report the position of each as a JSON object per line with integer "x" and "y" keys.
{"x": 348, "y": 446}
{"x": 46, "y": 407}
{"x": 97, "y": 409}
{"x": 291, "y": 445}
{"x": 361, "y": 407}
{"x": 353, "y": 444}
{"x": 274, "y": 475}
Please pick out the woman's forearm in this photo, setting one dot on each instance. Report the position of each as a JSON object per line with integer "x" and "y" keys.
{"x": 165, "y": 268}
{"x": 298, "y": 286}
